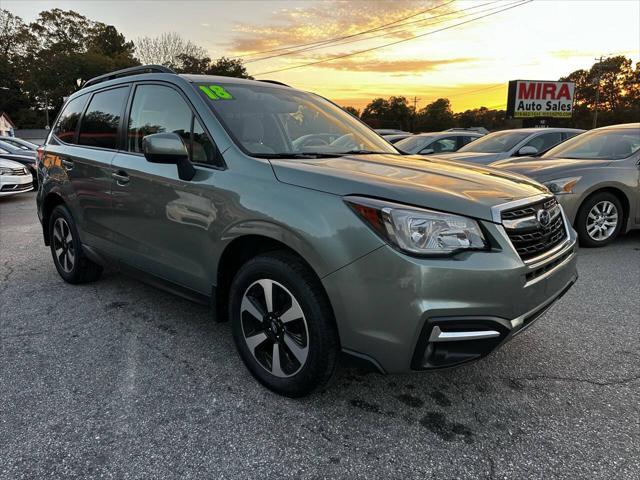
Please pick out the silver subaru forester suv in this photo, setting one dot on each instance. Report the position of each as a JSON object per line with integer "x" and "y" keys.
{"x": 305, "y": 229}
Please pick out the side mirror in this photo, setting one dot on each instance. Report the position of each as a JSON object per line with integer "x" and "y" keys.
{"x": 168, "y": 148}
{"x": 527, "y": 150}
{"x": 427, "y": 151}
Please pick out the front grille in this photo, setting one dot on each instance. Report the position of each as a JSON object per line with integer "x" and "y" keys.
{"x": 17, "y": 187}
{"x": 532, "y": 241}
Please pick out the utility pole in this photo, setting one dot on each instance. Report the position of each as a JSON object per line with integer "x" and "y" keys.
{"x": 415, "y": 114}
{"x": 595, "y": 113}
{"x": 46, "y": 109}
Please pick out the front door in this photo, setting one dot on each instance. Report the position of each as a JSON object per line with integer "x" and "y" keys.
{"x": 165, "y": 224}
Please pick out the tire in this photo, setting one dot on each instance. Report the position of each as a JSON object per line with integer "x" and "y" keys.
{"x": 70, "y": 261}
{"x": 599, "y": 220}
{"x": 300, "y": 323}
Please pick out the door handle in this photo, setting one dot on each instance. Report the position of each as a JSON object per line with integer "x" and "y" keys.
{"x": 121, "y": 177}
{"x": 67, "y": 164}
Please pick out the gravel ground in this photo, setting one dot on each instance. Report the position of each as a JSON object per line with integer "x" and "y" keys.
{"x": 119, "y": 380}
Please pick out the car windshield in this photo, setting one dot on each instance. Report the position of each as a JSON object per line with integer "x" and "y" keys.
{"x": 496, "y": 142}
{"x": 270, "y": 121}
{"x": 414, "y": 144}
{"x": 609, "y": 144}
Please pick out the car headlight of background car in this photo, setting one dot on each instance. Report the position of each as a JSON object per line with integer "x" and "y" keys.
{"x": 6, "y": 171}
{"x": 562, "y": 185}
{"x": 418, "y": 231}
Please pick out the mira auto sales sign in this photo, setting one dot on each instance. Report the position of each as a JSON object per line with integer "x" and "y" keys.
{"x": 540, "y": 98}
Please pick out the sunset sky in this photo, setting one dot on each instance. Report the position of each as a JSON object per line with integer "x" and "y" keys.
{"x": 470, "y": 64}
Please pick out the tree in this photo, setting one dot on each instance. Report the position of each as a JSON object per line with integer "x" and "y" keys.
{"x": 166, "y": 49}
{"x": 352, "y": 110}
{"x": 482, "y": 117}
{"x": 228, "y": 67}
{"x": 392, "y": 113}
{"x": 619, "y": 85}
{"x": 44, "y": 60}
{"x": 436, "y": 116}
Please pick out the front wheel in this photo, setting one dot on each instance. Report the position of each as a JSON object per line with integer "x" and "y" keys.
{"x": 283, "y": 324}
{"x": 599, "y": 220}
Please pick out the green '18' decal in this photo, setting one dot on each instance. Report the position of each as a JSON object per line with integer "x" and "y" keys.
{"x": 216, "y": 92}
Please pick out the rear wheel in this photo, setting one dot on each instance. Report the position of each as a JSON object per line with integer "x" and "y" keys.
{"x": 66, "y": 249}
{"x": 599, "y": 220}
{"x": 283, "y": 325}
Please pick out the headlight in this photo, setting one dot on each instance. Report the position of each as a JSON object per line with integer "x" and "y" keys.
{"x": 562, "y": 185}
{"x": 5, "y": 171}
{"x": 419, "y": 231}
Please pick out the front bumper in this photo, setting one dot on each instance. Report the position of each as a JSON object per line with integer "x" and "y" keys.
{"x": 10, "y": 184}
{"x": 388, "y": 304}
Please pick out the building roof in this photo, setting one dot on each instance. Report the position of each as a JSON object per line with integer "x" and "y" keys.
{"x": 7, "y": 119}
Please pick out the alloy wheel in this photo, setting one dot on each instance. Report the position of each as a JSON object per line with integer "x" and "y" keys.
{"x": 602, "y": 220}
{"x": 274, "y": 328}
{"x": 63, "y": 245}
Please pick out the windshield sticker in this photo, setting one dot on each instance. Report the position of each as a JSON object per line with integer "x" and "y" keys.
{"x": 216, "y": 92}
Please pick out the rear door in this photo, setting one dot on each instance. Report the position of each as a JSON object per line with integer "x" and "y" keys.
{"x": 89, "y": 165}
{"x": 166, "y": 225}
{"x": 78, "y": 157}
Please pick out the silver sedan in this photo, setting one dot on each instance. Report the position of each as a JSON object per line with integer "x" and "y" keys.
{"x": 595, "y": 177}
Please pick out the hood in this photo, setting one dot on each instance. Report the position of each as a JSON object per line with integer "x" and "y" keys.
{"x": 471, "y": 157}
{"x": 414, "y": 180}
{"x": 546, "y": 168}
{"x": 18, "y": 158}
{"x": 4, "y": 162}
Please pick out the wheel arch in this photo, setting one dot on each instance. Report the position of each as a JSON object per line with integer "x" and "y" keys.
{"x": 51, "y": 201}
{"x": 240, "y": 250}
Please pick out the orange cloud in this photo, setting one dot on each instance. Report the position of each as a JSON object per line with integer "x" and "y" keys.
{"x": 390, "y": 66}
{"x": 292, "y": 26}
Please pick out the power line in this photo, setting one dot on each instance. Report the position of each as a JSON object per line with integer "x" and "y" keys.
{"x": 501, "y": 84}
{"x": 393, "y": 43}
{"x": 348, "y": 36}
{"x": 339, "y": 41}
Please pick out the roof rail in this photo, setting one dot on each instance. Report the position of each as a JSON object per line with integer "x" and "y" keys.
{"x": 275, "y": 82}
{"x": 128, "y": 71}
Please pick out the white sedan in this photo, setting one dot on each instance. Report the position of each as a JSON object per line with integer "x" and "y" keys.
{"x": 14, "y": 178}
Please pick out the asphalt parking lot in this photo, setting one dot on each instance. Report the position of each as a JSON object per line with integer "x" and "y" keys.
{"x": 119, "y": 380}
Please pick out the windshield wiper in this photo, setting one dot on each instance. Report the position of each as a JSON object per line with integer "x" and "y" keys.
{"x": 368, "y": 152}
{"x": 299, "y": 156}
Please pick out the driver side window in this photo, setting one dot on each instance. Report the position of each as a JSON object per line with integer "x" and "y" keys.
{"x": 160, "y": 109}
{"x": 443, "y": 145}
{"x": 545, "y": 141}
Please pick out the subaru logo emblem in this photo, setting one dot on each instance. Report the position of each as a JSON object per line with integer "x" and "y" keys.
{"x": 544, "y": 217}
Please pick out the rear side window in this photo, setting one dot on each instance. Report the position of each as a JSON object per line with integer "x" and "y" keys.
{"x": 159, "y": 109}
{"x": 65, "y": 129}
{"x": 99, "y": 126}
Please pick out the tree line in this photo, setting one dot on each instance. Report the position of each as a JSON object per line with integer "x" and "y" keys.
{"x": 44, "y": 61}
{"x": 612, "y": 84}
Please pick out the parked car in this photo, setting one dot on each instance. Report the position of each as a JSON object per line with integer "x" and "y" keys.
{"x": 8, "y": 148}
{"x": 14, "y": 178}
{"x": 595, "y": 177}
{"x": 19, "y": 143}
{"x": 308, "y": 251}
{"x": 512, "y": 143}
{"x": 436, "y": 142}
{"x": 480, "y": 130}
{"x": 21, "y": 155}
{"x": 390, "y": 131}
{"x": 29, "y": 162}
{"x": 393, "y": 139}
